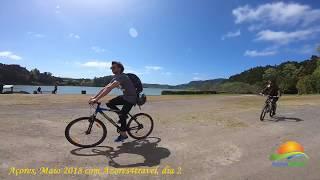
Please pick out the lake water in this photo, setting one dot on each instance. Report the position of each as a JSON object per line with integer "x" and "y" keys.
{"x": 78, "y": 89}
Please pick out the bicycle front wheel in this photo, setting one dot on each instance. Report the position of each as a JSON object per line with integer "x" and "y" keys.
{"x": 264, "y": 112}
{"x": 86, "y": 132}
{"x": 140, "y": 126}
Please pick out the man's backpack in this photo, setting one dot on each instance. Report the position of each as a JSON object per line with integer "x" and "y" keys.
{"x": 136, "y": 82}
{"x": 141, "y": 98}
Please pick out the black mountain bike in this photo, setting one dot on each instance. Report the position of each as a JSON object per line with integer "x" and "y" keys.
{"x": 89, "y": 131}
{"x": 268, "y": 108}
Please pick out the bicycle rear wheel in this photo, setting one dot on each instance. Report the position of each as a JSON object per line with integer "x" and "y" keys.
{"x": 86, "y": 132}
{"x": 264, "y": 112}
{"x": 140, "y": 126}
{"x": 273, "y": 109}
{"x": 271, "y": 112}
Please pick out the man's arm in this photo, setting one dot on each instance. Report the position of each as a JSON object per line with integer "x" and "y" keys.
{"x": 97, "y": 94}
{"x": 105, "y": 91}
{"x": 264, "y": 90}
{"x": 279, "y": 92}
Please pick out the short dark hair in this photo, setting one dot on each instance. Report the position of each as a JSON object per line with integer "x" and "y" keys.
{"x": 119, "y": 64}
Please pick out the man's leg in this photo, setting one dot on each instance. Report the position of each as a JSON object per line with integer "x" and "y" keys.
{"x": 274, "y": 104}
{"x": 124, "y": 115}
{"x": 114, "y": 102}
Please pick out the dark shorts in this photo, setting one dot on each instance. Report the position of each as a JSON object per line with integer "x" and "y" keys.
{"x": 126, "y": 107}
{"x": 274, "y": 99}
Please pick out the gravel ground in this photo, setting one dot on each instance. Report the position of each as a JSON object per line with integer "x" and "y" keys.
{"x": 204, "y": 137}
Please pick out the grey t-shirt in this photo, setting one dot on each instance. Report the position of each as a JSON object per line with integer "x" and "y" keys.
{"x": 127, "y": 87}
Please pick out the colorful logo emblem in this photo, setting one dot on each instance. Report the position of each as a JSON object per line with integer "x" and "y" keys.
{"x": 289, "y": 154}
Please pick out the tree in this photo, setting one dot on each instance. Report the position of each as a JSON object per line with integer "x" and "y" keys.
{"x": 306, "y": 85}
{"x": 34, "y": 74}
{"x": 270, "y": 74}
{"x": 238, "y": 88}
{"x": 288, "y": 78}
{"x": 316, "y": 77}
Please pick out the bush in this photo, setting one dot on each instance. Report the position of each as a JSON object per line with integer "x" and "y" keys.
{"x": 238, "y": 88}
{"x": 186, "y": 92}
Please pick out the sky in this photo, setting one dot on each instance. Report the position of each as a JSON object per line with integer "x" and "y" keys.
{"x": 162, "y": 41}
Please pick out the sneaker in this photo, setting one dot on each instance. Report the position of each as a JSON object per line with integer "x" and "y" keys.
{"x": 120, "y": 138}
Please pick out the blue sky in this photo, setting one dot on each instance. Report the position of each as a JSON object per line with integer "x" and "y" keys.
{"x": 163, "y": 41}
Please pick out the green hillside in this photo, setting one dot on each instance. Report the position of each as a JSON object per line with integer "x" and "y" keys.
{"x": 292, "y": 76}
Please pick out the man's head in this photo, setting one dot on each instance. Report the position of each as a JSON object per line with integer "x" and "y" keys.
{"x": 117, "y": 67}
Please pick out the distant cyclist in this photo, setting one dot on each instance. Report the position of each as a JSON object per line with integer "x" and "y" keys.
{"x": 127, "y": 100}
{"x": 39, "y": 90}
{"x": 272, "y": 90}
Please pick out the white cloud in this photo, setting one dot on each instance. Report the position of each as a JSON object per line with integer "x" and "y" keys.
{"x": 100, "y": 66}
{"x": 96, "y": 64}
{"x": 153, "y": 68}
{"x": 308, "y": 49}
{"x": 254, "y": 27}
{"x": 282, "y": 37}
{"x": 57, "y": 9}
{"x": 97, "y": 49}
{"x": 167, "y": 73}
{"x": 9, "y": 55}
{"x": 39, "y": 35}
{"x": 277, "y": 13}
{"x": 231, "y": 34}
{"x": 36, "y": 35}
{"x": 74, "y": 36}
{"x": 255, "y": 53}
{"x": 133, "y": 32}
{"x": 128, "y": 70}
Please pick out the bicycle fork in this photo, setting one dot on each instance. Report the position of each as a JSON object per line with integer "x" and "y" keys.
{"x": 91, "y": 121}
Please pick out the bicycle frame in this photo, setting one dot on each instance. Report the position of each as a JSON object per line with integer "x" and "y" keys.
{"x": 100, "y": 110}
{"x": 270, "y": 98}
{"x": 268, "y": 102}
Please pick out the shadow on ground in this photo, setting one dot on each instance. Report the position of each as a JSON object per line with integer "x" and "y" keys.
{"x": 148, "y": 148}
{"x": 284, "y": 118}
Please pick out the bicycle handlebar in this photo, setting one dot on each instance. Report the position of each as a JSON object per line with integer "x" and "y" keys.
{"x": 92, "y": 104}
{"x": 268, "y": 95}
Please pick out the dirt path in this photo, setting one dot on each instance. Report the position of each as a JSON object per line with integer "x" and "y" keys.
{"x": 204, "y": 137}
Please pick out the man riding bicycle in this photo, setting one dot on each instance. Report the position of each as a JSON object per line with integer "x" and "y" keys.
{"x": 127, "y": 100}
{"x": 274, "y": 92}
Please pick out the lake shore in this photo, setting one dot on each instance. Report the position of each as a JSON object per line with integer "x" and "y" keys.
{"x": 206, "y": 136}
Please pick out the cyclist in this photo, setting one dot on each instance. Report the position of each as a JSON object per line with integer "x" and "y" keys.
{"x": 272, "y": 90}
{"x": 39, "y": 90}
{"x": 128, "y": 99}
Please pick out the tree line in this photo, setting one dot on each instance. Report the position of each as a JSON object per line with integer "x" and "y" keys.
{"x": 292, "y": 77}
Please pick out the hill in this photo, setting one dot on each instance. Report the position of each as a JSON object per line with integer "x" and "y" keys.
{"x": 292, "y": 76}
{"x": 201, "y": 85}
